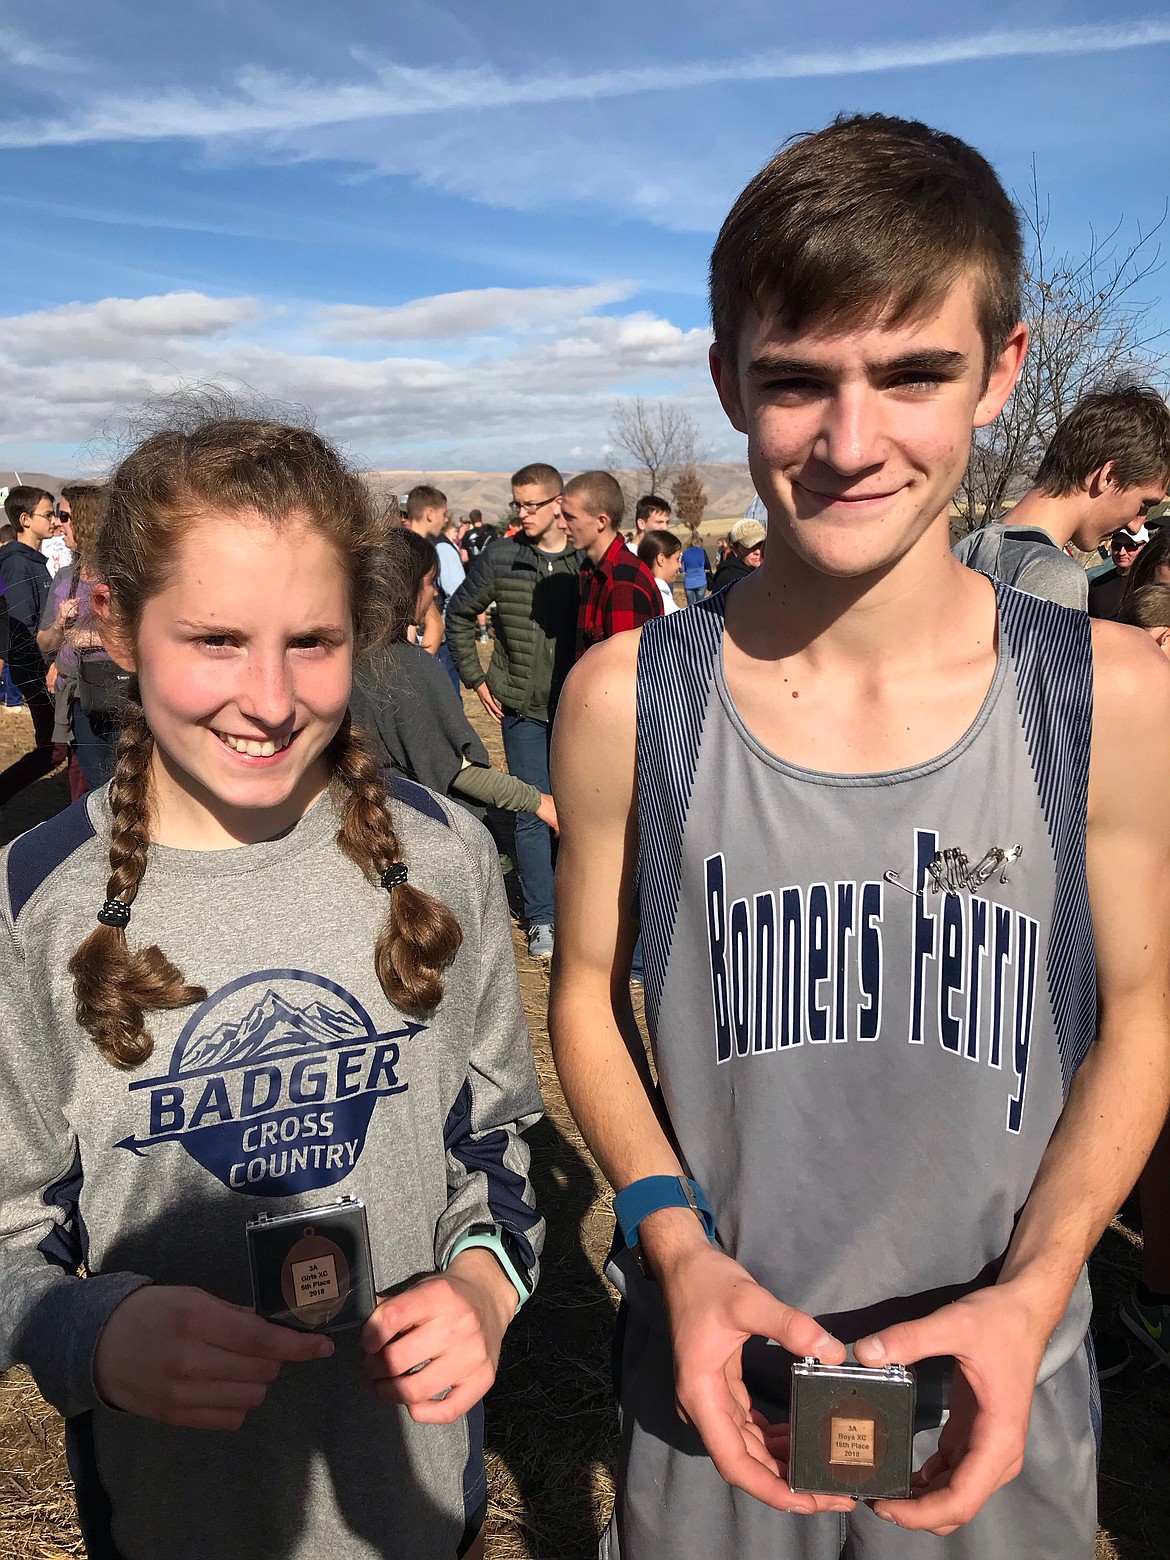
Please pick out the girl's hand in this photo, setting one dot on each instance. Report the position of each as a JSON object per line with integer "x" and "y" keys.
{"x": 188, "y": 1358}
{"x": 435, "y": 1346}
{"x": 547, "y": 813}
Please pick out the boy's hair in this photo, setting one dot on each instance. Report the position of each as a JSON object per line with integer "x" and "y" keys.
{"x": 871, "y": 217}
{"x": 650, "y": 504}
{"x": 600, "y": 493}
{"x": 7, "y": 533}
{"x": 1129, "y": 426}
{"x": 658, "y": 544}
{"x": 87, "y": 508}
{"x": 1146, "y": 607}
{"x": 474, "y": 516}
{"x": 539, "y": 475}
{"x": 22, "y": 501}
{"x": 422, "y": 498}
{"x": 283, "y": 476}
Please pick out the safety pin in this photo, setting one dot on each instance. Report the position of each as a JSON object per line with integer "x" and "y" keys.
{"x": 891, "y": 876}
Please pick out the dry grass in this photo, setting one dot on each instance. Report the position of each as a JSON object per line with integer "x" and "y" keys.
{"x": 36, "y": 1494}
{"x": 551, "y": 1433}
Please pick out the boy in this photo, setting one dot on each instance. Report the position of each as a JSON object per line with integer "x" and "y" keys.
{"x": 853, "y": 799}
{"x": 532, "y": 579}
{"x": 1108, "y": 464}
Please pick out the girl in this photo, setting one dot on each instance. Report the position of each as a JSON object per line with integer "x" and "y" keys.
{"x": 286, "y": 986}
{"x": 661, "y": 552}
{"x": 406, "y": 701}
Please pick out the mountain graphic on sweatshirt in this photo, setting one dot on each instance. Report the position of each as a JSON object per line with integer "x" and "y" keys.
{"x": 273, "y": 1027}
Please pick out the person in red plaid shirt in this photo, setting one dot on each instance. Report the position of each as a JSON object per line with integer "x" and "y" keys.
{"x": 618, "y": 592}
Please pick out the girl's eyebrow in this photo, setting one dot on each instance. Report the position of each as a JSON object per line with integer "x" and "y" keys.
{"x": 321, "y": 630}
{"x": 205, "y": 628}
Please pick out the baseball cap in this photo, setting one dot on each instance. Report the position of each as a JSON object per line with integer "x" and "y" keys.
{"x": 1136, "y": 538}
{"x": 748, "y": 534}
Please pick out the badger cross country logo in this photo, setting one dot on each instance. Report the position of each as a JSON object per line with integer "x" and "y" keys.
{"x": 273, "y": 1084}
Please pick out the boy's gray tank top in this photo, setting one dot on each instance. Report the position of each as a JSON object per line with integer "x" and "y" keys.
{"x": 868, "y": 995}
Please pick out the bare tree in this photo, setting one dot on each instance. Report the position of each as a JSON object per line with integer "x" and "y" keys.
{"x": 1088, "y": 331}
{"x": 690, "y": 498}
{"x": 660, "y": 435}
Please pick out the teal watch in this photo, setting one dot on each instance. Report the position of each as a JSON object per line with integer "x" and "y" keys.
{"x": 503, "y": 1245}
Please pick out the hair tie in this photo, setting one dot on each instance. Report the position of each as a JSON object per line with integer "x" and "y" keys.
{"x": 115, "y": 912}
{"x": 394, "y": 874}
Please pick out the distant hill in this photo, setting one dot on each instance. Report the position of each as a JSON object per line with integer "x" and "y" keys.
{"x": 729, "y": 488}
{"x": 10, "y": 479}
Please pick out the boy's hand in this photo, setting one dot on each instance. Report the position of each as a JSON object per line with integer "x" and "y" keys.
{"x": 714, "y": 1307}
{"x": 187, "y": 1358}
{"x": 435, "y": 1347}
{"x": 999, "y": 1346}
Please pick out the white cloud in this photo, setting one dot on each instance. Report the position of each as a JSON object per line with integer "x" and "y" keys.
{"x": 267, "y": 103}
{"x": 114, "y": 327}
{"x": 68, "y": 373}
{"x": 471, "y": 313}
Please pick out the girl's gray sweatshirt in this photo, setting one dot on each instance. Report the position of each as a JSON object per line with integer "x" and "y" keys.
{"x": 295, "y": 1083}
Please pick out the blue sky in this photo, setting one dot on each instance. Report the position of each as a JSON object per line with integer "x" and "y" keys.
{"x": 459, "y": 233}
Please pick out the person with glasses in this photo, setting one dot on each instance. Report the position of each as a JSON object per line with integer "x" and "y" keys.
{"x": 57, "y": 550}
{"x": 532, "y": 579}
{"x": 1108, "y": 589}
{"x": 31, "y": 512}
{"x": 1107, "y": 465}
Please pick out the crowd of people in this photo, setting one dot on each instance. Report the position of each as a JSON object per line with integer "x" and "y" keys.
{"x": 885, "y": 835}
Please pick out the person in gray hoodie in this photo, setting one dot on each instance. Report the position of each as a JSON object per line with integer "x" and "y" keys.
{"x": 250, "y": 977}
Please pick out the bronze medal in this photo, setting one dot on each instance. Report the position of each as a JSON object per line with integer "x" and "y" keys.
{"x": 314, "y": 1279}
{"x": 853, "y": 1439}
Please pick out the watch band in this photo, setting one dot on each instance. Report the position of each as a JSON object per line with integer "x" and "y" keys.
{"x": 642, "y": 1198}
{"x": 492, "y": 1238}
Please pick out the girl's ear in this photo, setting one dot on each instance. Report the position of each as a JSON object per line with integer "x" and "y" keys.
{"x": 115, "y": 643}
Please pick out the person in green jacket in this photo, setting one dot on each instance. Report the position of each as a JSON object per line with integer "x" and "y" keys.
{"x": 532, "y": 578}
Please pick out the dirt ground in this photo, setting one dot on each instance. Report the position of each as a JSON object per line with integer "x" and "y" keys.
{"x": 551, "y": 1434}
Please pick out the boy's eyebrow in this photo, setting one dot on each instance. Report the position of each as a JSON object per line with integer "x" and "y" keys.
{"x": 928, "y": 360}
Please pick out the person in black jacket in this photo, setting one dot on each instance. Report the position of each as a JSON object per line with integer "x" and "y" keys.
{"x": 25, "y": 574}
{"x": 1110, "y": 587}
{"x": 747, "y": 539}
